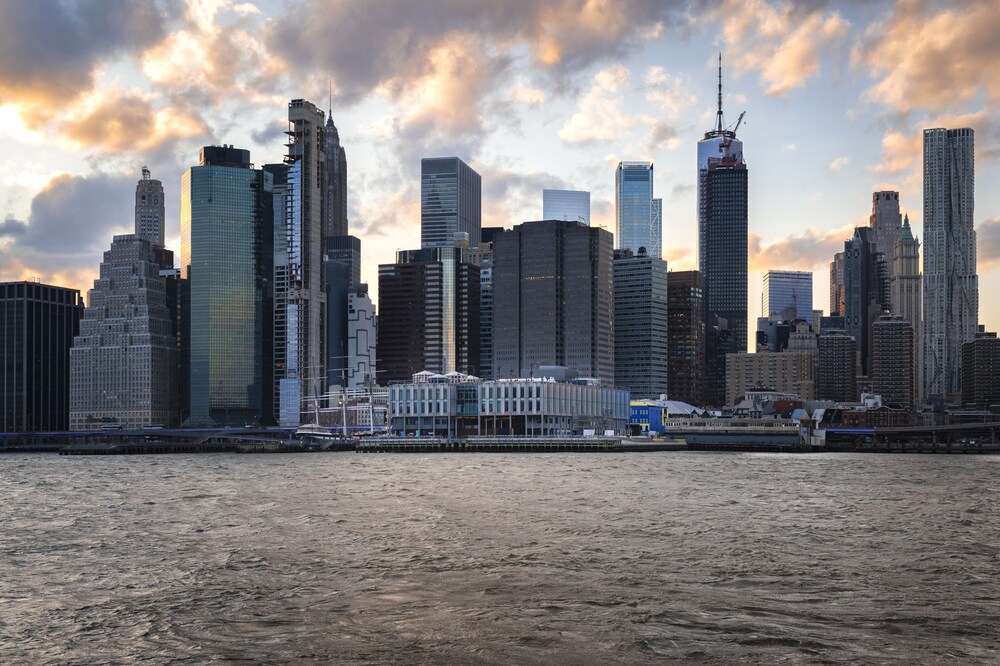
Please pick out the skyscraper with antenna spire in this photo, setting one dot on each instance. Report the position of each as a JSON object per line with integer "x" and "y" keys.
{"x": 722, "y": 246}
{"x": 334, "y": 206}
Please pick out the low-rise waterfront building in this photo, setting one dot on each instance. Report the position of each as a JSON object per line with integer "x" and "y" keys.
{"x": 458, "y": 405}
{"x": 651, "y": 416}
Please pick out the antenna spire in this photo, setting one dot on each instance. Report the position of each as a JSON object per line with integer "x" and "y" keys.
{"x": 719, "y": 126}
{"x": 329, "y": 114}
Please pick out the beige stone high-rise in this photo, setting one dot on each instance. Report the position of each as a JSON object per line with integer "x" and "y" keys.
{"x": 149, "y": 209}
{"x": 123, "y": 362}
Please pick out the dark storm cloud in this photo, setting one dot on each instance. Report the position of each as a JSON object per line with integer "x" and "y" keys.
{"x": 76, "y": 215}
{"x": 364, "y": 45}
{"x": 49, "y": 48}
{"x": 12, "y": 227}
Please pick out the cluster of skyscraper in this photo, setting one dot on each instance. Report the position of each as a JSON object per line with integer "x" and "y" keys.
{"x": 267, "y": 313}
{"x": 876, "y": 281}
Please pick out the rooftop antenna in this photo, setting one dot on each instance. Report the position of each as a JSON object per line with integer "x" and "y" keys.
{"x": 719, "y": 125}
{"x": 329, "y": 115}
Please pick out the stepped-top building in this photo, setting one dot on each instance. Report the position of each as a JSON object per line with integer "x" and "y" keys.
{"x": 123, "y": 365}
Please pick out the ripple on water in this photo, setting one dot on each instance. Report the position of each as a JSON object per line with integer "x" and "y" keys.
{"x": 495, "y": 559}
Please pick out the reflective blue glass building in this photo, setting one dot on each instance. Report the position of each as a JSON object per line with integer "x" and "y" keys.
{"x": 639, "y": 221}
{"x": 226, "y": 223}
{"x": 450, "y": 202}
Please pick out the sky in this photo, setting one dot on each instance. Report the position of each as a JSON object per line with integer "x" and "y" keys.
{"x": 550, "y": 93}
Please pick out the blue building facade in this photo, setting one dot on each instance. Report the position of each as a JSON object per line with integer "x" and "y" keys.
{"x": 639, "y": 220}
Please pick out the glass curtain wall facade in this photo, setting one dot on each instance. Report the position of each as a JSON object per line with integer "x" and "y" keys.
{"x": 450, "y": 202}
{"x": 638, "y": 220}
{"x": 569, "y": 205}
{"x": 300, "y": 373}
{"x": 224, "y": 218}
{"x": 788, "y": 294}
{"x": 553, "y": 300}
{"x": 429, "y": 303}
{"x": 641, "y": 324}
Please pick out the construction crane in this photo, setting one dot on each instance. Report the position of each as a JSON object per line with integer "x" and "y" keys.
{"x": 731, "y": 134}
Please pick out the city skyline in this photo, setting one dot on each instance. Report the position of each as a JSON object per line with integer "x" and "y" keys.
{"x": 535, "y": 108}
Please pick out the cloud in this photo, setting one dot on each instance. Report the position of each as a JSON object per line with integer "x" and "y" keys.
{"x": 210, "y": 61}
{"x": 599, "y": 116}
{"x": 672, "y": 98}
{"x": 782, "y": 41}
{"x": 71, "y": 223}
{"x": 117, "y": 121}
{"x": 365, "y": 45}
{"x": 511, "y": 197}
{"x": 803, "y": 251}
{"x": 12, "y": 227}
{"x": 838, "y": 163}
{"x": 526, "y": 94}
{"x": 76, "y": 215}
{"x": 50, "y": 50}
{"x": 988, "y": 244}
{"x": 664, "y": 135}
{"x": 900, "y": 152}
{"x": 681, "y": 257}
{"x": 670, "y": 93}
{"x": 924, "y": 56}
{"x": 441, "y": 109}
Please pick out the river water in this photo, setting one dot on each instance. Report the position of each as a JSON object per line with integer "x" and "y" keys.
{"x": 499, "y": 559}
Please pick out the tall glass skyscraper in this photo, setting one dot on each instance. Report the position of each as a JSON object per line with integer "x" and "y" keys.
{"x": 641, "y": 324}
{"x": 569, "y": 205}
{"x": 722, "y": 246}
{"x": 788, "y": 292}
{"x": 639, "y": 221}
{"x": 951, "y": 286}
{"x": 299, "y": 299}
{"x": 450, "y": 202}
{"x": 553, "y": 300}
{"x": 225, "y": 217}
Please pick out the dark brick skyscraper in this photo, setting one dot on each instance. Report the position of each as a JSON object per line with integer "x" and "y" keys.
{"x": 553, "y": 300}
{"x": 37, "y": 325}
{"x": 429, "y": 305}
{"x": 686, "y": 337}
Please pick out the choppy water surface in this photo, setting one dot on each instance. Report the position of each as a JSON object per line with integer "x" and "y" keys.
{"x": 495, "y": 559}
